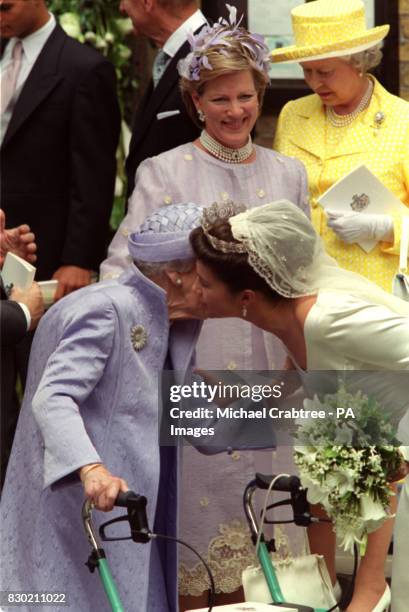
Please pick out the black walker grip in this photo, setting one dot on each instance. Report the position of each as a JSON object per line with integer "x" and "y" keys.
{"x": 284, "y": 483}
{"x": 130, "y": 499}
{"x": 138, "y": 521}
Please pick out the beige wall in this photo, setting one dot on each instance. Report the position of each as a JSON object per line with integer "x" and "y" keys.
{"x": 404, "y": 48}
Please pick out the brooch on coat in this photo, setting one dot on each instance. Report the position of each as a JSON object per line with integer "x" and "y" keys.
{"x": 139, "y": 337}
{"x": 379, "y": 118}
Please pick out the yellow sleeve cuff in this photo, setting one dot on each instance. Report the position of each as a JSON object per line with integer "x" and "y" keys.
{"x": 387, "y": 247}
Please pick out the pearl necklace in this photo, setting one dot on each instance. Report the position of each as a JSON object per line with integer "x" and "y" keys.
{"x": 343, "y": 120}
{"x": 226, "y": 154}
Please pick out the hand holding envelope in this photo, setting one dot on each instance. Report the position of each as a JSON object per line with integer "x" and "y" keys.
{"x": 354, "y": 226}
{"x": 359, "y": 208}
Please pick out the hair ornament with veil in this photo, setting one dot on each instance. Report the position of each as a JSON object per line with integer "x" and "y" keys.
{"x": 285, "y": 250}
{"x": 220, "y": 213}
{"x": 218, "y": 36}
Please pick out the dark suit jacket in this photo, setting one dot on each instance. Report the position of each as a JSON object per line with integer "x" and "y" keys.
{"x": 13, "y": 327}
{"x": 58, "y": 155}
{"x": 151, "y": 136}
{"x": 13, "y": 322}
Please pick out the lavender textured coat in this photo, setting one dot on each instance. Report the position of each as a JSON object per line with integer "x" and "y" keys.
{"x": 92, "y": 397}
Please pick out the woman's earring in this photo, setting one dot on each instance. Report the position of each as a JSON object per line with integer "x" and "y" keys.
{"x": 244, "y": 312}
{"x": 178, "y": 281}
{"x": 201, "y": 115}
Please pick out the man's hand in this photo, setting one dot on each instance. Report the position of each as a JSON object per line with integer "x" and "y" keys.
{"x": 19, "y": 240}
{"x": 69, "y": 279}
{"x": 101, "y": 487}
{"x": 33, "y": 299}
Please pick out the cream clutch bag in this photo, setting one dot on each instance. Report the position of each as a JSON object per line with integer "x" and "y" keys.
{"x": 303, "y": 580}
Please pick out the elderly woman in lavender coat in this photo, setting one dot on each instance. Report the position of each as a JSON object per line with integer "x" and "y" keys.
{"x": 89, "y": 422}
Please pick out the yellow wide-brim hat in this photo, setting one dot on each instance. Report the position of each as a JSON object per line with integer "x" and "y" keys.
{"x": 329, "y": 28}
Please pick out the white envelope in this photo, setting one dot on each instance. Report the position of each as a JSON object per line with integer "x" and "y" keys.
{"x": 17, "y": 272}
{"x": 361, "y": 191}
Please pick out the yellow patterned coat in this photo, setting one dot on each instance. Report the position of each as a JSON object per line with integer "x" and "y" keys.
{"x": 329, "y": 153}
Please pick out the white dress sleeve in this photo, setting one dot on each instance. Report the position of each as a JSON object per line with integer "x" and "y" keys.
{"x": 370, "y": 334}
{"x": 371, "y": 337}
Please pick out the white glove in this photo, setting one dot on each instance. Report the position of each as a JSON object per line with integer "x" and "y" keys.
{"x": 354, "y": 226}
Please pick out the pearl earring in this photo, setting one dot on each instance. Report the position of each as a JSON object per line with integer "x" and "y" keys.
{"x": 178, "y": 281}
{"x": 244, "y": 312}
{"x": 201, "y": 115}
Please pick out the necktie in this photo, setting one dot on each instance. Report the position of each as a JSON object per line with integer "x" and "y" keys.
{"x": 159, "y": 66}
{"x": 10, "y": 75}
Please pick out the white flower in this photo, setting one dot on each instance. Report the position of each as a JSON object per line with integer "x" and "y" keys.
{"x": 348, "y": 538}
{"x": 70, "y": 23}
{"x": 100, "y": 43}
{"x": 315, "y": 492}
{"x": 119, "y": 187}
{"x": 342, "y": 479}
{"x": 372, "y": 512}
{"x": 126, "y": 136}
{"x": 90, "y": 36}
{"x": 124, "y": 26}
{"x": 124, "y": 52}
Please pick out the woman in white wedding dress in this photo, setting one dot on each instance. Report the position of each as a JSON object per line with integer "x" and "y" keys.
{"x": 268, "y": 266}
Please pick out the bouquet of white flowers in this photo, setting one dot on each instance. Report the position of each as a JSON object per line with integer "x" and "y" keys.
{"x": 344, "y": 464}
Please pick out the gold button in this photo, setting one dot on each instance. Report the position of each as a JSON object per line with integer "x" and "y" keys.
{"x": 167, "y": 199}
{"x": 188, "y": 157}
{"x": 235, "y": 456}
{"x": 232, "y": 365}
{"x": 204, "y": 502}
{"x": 125, "y": 232}
{"x": 261, "y": 193}
{"x": 224, "y": 196}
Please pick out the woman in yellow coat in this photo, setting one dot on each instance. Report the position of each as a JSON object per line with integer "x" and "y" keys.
{"x": 349, "y": 120}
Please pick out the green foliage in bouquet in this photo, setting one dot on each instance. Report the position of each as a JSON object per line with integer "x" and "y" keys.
{"x": 345, "y": 463}
{"x": 98, "y": 23}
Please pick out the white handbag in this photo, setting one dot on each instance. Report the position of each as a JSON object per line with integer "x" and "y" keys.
{"x": 400, "y": 283}
{"x": 303, "y": 580}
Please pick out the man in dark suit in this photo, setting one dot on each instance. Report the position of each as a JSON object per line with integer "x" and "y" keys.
{"x": 161, "y": 121}
{"x": 18, "y": 314}
{"x": 60, "y": 129}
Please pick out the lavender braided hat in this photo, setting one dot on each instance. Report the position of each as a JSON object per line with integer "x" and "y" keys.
{"x": 164, "y": 235}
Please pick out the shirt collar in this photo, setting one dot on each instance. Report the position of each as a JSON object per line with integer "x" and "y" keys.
{"x": 179, "y": 36}
{"x": 33, "y": 43}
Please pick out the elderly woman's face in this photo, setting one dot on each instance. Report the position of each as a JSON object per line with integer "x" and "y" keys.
{"x": 184, "y": 296}
{"x": 230, "y": 105}
{"x": 334, "y": 80}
